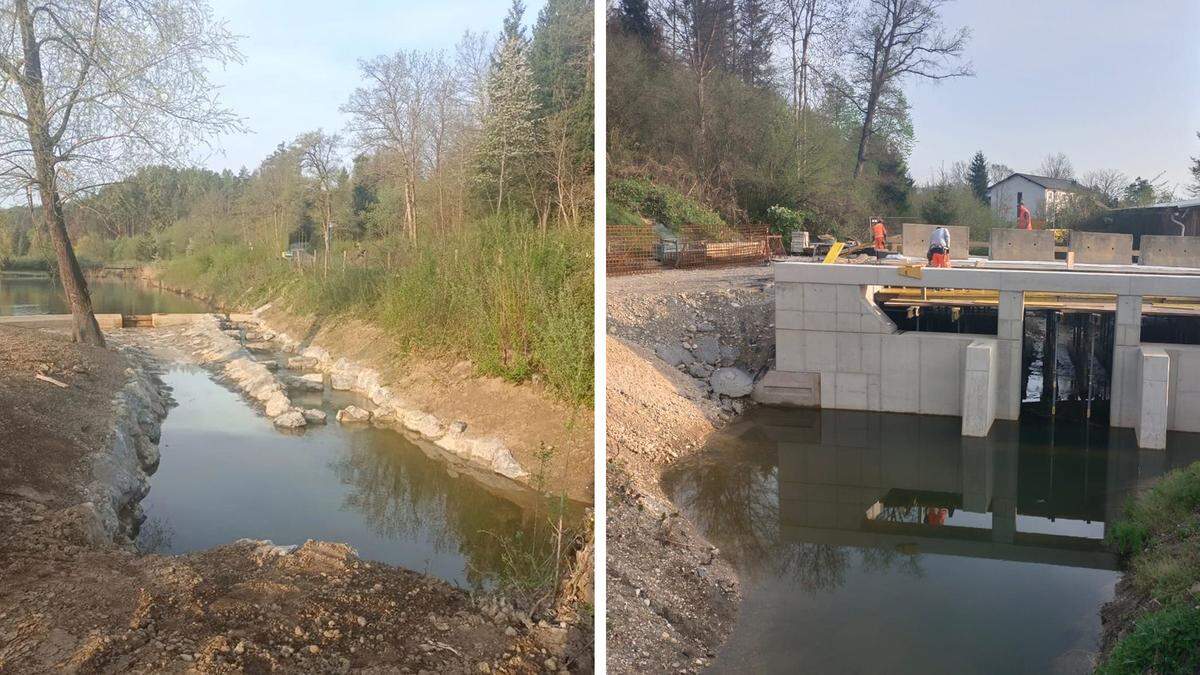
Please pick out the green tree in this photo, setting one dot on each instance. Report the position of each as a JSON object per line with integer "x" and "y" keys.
{"x": 939, "y": 208}
{"x": 1140, "y": 192}
{"x": 977, "y": 176}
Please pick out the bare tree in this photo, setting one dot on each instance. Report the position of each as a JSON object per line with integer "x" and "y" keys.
{"x": 1057, "y": 165}
{"x": 805, "y": 24}
{"x": 899, "y": 39}
{"x": 1107, "y": 183}
{"x": 321, "y": 164}
{"x": 90, "y": 89}
{"x": 998, "y": 172}
{"x": 392, "y": 113}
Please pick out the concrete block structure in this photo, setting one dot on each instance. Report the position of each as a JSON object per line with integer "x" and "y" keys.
{"x": 835, "y": 348}
{"x": 1006, "y": 244}
{"x": 916, "y": 240}
{"x": 1102, "y": 248}
{"x": 1154, "y": 367}
{"x": 1169, "y": 251}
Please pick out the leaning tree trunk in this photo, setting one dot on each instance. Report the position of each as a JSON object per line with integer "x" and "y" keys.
{"x": 74, "y": 285}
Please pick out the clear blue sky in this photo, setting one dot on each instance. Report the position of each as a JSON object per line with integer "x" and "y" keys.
{"x": 1115, "y": 84}
{"x": 301, "y": 59}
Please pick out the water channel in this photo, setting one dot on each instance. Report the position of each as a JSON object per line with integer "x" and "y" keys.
{"x": 42, "y": 295}
{"x": 872, "y": 542}
{"x": 227, "y": 473}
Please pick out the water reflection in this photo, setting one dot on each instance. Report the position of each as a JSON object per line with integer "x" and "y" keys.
{"x": 226, "y": 473}
{"x": 846, "y": 524}
{"x": 42, "y": 295}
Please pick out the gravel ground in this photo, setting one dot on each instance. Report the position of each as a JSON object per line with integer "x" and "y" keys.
{"x": 672, "y": 597}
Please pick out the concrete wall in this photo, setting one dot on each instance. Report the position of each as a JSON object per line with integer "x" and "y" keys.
{"x": 836, "y": 332}
{"x": 916, "y": 240}
{"x": 60, "y": 321}
{"x": 1102, "y": 248}
{"x": 1012, "y": 244}
{"x": 1169, "y": 251}
{"x": 1003, "y": 197}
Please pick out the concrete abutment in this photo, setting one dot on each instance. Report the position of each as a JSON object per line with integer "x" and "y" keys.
{"x": 835, "y": 348}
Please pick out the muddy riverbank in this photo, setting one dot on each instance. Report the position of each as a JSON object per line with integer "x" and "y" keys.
{"x": 672, "y": 596}
{"x": 77, "y": 596}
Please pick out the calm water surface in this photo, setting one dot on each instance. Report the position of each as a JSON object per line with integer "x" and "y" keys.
{"x": 227, "y": 473}
{"x": 42, "y": 295}
{"x": 872, "y": 543}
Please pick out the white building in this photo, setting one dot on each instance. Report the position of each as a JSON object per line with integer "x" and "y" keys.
{"x": 1042, "y": 195}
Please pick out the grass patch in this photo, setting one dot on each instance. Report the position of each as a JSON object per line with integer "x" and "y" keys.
{"x": 1164, "y": 642}
{"x": 1160, "y": 533}
{"x": 516, "y": 302}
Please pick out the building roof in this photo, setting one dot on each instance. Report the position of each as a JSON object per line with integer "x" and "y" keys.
{"x": 1067, "y": 184}
{"x": 1182, "y": 204}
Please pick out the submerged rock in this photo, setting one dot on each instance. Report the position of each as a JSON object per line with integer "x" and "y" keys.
{"x": 731, "y": 382}
{"x": 353, "y": 413}
{"x": 314, "y": 416}
{"x": 291, "y": 420}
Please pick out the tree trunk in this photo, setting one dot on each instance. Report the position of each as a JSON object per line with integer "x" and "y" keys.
{"x": 868, "y": 120}
{"x": 86, "y": 329}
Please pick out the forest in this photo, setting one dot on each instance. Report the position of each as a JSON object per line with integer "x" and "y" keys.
{"x": 455, "y": 205}
{"x": 793, "y": 113}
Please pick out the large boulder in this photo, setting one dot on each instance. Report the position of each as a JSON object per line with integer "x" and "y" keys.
{"x": 708, "y": 349}
{"x": 301, "y": 363}
{"x": 291, "y": 419}
{"x": 353, "y": 413}
{"x": 314, "y": 416}
{"x": 731, "y": 382}
{"x": 342, "y": 380}
{"x": 277, "y": 405}
{"x": 674, "y": 355}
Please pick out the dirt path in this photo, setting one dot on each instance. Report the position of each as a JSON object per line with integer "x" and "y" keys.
{"x": 73, "y": 599}
{"x": 672, "y": 597}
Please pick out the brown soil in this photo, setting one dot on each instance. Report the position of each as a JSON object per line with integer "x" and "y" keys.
{"x": 672, "y": 597}
{"x": 524, "y": 417}
{"x": 71, "y": 601}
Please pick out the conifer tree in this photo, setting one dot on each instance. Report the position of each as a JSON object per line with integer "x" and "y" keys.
{"x": 977, "y": 176}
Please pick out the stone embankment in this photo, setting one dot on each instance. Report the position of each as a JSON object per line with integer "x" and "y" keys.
{"x": 120, "y": 469}
{"x": 230, "y": 348}
{"x": 683, "y": 350}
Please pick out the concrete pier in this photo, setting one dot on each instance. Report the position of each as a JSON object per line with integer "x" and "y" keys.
{"x": 835, "y": 348}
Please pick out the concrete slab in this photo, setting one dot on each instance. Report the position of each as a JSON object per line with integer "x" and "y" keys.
{"x": 916, "y": 240}
{"x": 1101, "y": 248}
{"x": 1011, "y": 244}
{"x": 800, "y": 390}
{"x": 59, "y": 321}
{"x": 1169, "y": 251}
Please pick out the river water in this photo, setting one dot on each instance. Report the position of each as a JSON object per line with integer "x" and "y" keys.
{"x": 226, "y": 473}
{"x": 871, "y": 543}
{"x": 42, "y": 295}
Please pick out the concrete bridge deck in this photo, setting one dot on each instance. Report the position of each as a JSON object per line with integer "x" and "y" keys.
{"x": 835, "y": 348}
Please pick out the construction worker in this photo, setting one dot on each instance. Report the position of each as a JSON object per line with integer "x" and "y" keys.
{"x": 939, "y": 247}
{"x": 878, "y": 238}
{"x": 1024, "y": 220}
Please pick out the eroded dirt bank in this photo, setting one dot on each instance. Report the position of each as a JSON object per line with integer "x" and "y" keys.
{"x": 672, "y": 597}
{"x": 76, "y": 597}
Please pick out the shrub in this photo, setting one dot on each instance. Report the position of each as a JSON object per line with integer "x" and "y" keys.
{"x": 664, "y": 205}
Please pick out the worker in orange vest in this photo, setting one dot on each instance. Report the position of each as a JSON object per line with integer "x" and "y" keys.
{"x": 939, "y": 247}
{"x": 878, "y": 238}
{"x": 1024, "y": 220}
